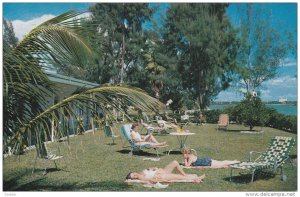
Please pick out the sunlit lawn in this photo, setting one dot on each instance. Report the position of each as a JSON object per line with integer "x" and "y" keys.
{"x": 93, "y": 165}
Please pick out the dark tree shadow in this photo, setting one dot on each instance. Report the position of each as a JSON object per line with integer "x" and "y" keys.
{"x": 173, "y": 152}
{"x": 42, "y": 183}
{"x": 39, "y": 185}
{"x": 246, "y": 178}
{"x": 10, "y": 184}
{"x": 139, "y": 153}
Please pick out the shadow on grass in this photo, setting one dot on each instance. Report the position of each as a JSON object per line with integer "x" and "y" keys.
{"x": 293, "y": 156}
{"x": 232, "y": 130}
{"x": 138, "y": 153}
{"x": 11, "y": 184}
{"x": 246, "y": 178}
{"x": 173, "y": 152}
{"x": 42, "y": 185}
{"x": 38, "y": 182}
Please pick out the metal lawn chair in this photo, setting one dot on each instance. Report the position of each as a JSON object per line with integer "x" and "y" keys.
{"x": 273, "y": 158}
{"x": 109, "y": 133}
{"x": 126, "y": 132}
{"x": 44, "y": 153}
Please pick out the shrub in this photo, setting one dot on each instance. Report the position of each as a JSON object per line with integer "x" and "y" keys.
{"x": 233, "y": 113}
{"x": 212, "y": 116}
{"x": 251, "y": 111}
{"x": 282, "y": 122}
{"x": 271, "y": 118}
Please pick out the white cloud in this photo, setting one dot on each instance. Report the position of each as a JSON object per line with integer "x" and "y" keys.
{"x": 273, "y": 89}
{"x": 243, "y": 90}
{"x": 266, "y": 95}
{"x": 229, "y": 96}
{"x": 285, "y": 81}
{"x": 289, "y": 62}
{"x": 22, "y": 28}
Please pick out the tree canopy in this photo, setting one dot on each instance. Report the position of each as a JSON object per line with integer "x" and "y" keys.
{"x": 262, "y": 48}
{"x": 120, "y": 26}
{"x": 203, "y": 40}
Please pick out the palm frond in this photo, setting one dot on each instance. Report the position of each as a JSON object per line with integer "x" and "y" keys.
{"x": 55, "y": 42}
{"x": 56, "y": 45}
{"x": 98, "y": 98}
{"x": 24, "y": 84}
{"x": 58, "y": 41}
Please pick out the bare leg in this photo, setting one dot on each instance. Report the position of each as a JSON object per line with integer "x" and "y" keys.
{"x": 150, "y": 138}
{"x": 182, "y": 177}
{"x": 174, "y": 125}
{"x": 174, "y": 165}
{"x": 220, "y": 164}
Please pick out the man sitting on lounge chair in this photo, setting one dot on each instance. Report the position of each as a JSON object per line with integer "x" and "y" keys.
{"x": 142, "y": 140}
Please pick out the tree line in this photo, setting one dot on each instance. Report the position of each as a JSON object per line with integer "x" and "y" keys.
{"x": 192, "y": 56}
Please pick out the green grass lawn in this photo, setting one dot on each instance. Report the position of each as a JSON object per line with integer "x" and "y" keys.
{"x": 93, "y": 165}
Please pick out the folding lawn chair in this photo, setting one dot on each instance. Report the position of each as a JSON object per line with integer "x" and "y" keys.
{"x": 223, "y": 121}
{"x": 272, "y": 159}
{"x": 126, "y": 132}
{"x": 109, "y": 133}
{"x": 149, "y": 128}
{"x": 47, "y": 155}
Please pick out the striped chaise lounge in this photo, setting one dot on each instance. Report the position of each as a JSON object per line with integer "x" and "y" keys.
{"x": 273, "y": 158}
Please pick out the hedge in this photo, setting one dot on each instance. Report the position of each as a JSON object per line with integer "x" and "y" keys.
{"x": 275, "y": 119}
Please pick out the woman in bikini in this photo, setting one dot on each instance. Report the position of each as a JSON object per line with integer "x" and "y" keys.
{"x": 192, "y": 160}
{"x": 142, "y": 140}
{"x": 164, "y": 174}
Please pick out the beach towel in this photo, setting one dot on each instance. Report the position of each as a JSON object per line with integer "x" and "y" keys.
{"x": 170, "y": 181}
{"x": 151, "y": 159}
{"x": 157, "y": 185}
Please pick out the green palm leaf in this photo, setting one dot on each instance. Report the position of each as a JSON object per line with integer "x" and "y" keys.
{"x": 58, "y": 42}
{"x": 94, "y": 99}
{"x": 26, "y": 87}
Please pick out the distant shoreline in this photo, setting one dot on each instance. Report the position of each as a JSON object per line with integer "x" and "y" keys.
{"x": 286, "y": 109}
{"x": 279, "y": 104}
{"x": 265, "y": 102}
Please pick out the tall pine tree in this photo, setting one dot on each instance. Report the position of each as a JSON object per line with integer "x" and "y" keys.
{"x": 120, "y": 24}
{"x": 262, "y": 47}
{"x": 8, "y": 34}
{"x": 202, "y": 38}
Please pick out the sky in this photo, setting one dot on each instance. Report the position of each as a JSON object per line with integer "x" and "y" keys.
{"x": 26, "y": 16}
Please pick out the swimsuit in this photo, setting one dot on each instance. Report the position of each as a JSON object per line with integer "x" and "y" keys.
{"x": 202, "y": 162}
{"x": 137, "y": 137}
{"x": 149, "y": 174}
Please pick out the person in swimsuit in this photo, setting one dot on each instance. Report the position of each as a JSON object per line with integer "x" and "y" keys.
{"x": 164, "y": 174}
{"x": 192, "y": 160}
{"x": 141, "y": 140}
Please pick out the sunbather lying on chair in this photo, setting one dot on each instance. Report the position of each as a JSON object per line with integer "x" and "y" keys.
{"x": 164, "y": 174}
{"x": 141, "y": 140}
{"x": 192, "y": 160}
{"x": 165, "y": 124}
{"x": 151, "y": 128}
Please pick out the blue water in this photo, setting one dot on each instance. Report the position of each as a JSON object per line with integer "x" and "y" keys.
{"x": 284, "y": 109}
